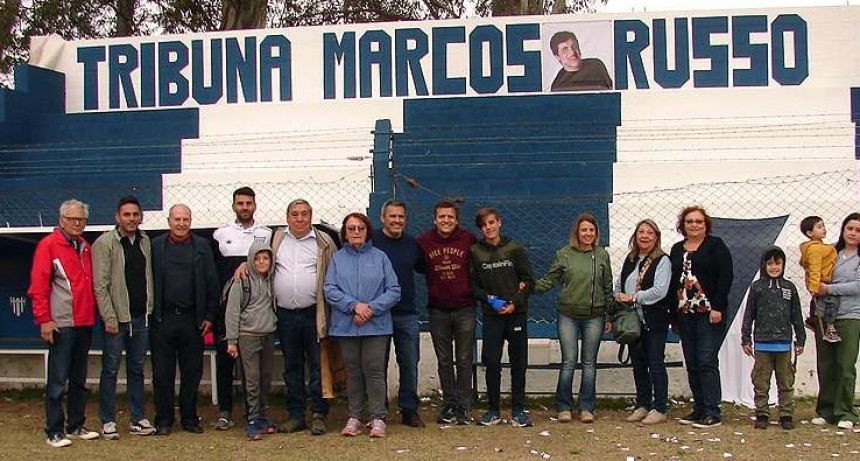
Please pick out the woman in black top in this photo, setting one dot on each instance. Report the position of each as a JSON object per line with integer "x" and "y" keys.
{"x": 701, "y": 280}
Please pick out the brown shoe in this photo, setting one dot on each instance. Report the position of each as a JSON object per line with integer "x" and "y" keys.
{"x": 318, "y": 424}
{"x": 638, "y": 415}
{"x": 294, "y": 425}
{"x": 565, "y": 417}
{"x": 586, "y": 416}
{"x": 654, "y": 417}
{"x": 412, "y": 419}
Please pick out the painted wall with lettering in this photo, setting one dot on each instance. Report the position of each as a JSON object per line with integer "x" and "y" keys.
{"x": 706, "y": 106}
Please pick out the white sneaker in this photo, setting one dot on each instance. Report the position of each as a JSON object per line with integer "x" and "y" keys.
{"x": 819, "y": 421}
{"x": 845, "y": 424}
{"x": 109, "y": 431}
{"x": 58, "y": 441}
{"x": 83, "y": 434}
{"x": 142, "y": 427}
{"x": 638, "y": 415}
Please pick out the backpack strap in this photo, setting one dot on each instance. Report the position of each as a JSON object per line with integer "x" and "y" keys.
{"x": 246, "y": 293}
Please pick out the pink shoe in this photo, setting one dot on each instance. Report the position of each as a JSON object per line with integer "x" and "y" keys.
{"x": 377, "y": 430}
{"x": 352, "y": 428}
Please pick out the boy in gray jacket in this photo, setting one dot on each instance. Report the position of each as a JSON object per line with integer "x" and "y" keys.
{"x": 250, "y": 323}
{"x": 774, "y": 306}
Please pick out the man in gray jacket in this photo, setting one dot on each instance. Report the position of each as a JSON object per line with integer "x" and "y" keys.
{"x": 122, "y": 278}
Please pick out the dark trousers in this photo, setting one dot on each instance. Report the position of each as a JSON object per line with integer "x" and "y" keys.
{"x": 701, "y": 342}
{"x": 176, "y": 338}
{"x": 407, "y": 351}
{"x": 297, "y": 332}
{"x": 497, "y": 330}
{"x": 766, "y": 365}
{"x": 453, "y": 334}
{"x": 257, "y": 355}
{"x": 67, "y": 362}
{"x": 649, "y": 370}
{"x": 224, "y": 371}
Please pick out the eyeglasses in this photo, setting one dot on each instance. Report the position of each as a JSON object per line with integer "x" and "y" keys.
{"x": 356, "y": 228}
{"x": 694, "y": 221}
{"x": 74, "y": 220}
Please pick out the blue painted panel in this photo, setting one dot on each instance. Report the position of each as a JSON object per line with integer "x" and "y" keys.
{"x": 48, "y": 156}
{"x": 540, "y": 160}
{"x": 539, "y": 110}
{"x": 855, "y": 117}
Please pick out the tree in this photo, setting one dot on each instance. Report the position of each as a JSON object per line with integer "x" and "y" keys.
{"x": 534, "y": 7}
{"x": 244, "y": 14}
{"x": 10, "y": 11}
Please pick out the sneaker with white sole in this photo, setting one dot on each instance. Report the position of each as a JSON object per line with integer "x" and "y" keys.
{"x": 819, "y": 421}
{"x": 223, "y": 423}
{"x": 638, "y": 415}
{"x": 490, "y": 418}
{"x": 520, "y": 418}
{"x": 58, "y": 441}
{"x": 109, "y": 431}
{"x": 845, "y": 424}
{"x": 654, "y": 417}
{"x": 708, "y": 422}
{"x": 142, "y": 427}
{"x": 83, "y": 434}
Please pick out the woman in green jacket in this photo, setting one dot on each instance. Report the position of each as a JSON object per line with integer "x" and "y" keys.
{"x": 584, "y": 276}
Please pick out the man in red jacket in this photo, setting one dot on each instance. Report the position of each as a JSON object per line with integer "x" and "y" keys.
{"x": 61, "y": 290}
{"x": 452, "y": 309}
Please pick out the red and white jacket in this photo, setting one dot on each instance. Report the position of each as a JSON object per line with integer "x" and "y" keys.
{"x": 61, "y": 282}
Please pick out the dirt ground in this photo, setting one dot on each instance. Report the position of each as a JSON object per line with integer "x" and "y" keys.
{"x": 609, "y": 438}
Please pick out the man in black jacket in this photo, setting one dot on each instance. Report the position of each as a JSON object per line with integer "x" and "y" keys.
{"x": 186, "y": 303}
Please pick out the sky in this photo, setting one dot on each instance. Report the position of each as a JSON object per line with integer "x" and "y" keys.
{"x": 628, "y": 6}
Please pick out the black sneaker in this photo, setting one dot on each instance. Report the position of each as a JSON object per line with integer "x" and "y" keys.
{"x": 192, "y": 428}
{"x": 761, "y": 422}
{"x": 463, "y": 418}
{"x": 786, "y": 423}
{"x": 708, "y": 422}
{"x": 693, "y": 417}
{"x": 58, "y": 440}
{"x": 447, "y": 415}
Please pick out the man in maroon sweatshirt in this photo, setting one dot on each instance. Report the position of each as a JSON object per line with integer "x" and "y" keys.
{"x": 452, "y": 309}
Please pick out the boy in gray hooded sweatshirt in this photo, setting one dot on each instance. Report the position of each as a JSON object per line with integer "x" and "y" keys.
{"x": 250, "y": 323}
{"x": 774, "y": 307}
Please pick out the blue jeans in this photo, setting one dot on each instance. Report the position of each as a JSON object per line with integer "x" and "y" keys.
{"x": 649, "y": 370}
{"x": 134, "y": 338}
{"x": 297, "y": 332}
{"x": 407, "y": 349}
{"x": 701, "y": 342}
{"x": 570, "y": 332}
{"x": 67, "y": 362}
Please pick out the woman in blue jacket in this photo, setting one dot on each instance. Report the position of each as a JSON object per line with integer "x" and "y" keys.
{"x": 361, "y": 288}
